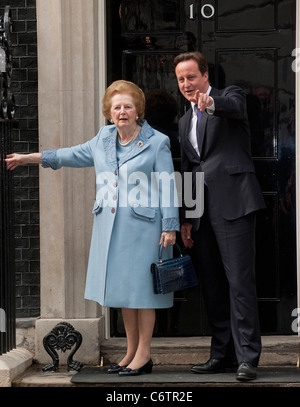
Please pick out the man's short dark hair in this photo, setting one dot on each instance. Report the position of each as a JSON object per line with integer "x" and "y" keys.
{"x": 196, "y": 56}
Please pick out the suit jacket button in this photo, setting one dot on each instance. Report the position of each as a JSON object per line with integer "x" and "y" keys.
{"x": 113, "y": 210}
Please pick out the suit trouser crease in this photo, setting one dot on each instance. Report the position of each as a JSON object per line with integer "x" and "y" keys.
{"x": 226, "y": 253}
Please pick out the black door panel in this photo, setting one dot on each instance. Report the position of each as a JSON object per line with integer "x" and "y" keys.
{"x": 249, "y": 44}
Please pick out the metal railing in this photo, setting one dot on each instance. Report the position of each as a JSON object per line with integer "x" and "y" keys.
{"x": 7, "y": 254}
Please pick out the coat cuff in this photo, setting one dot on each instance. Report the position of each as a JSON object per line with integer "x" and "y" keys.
{"x": 170, "y": 224}
{"x": 49, "y": 159}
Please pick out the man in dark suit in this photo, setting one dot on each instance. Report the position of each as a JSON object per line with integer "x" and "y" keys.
{"x": 215, "y": 140}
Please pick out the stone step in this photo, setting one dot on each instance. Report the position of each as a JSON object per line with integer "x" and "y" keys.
{"x": 172, "y": 357}
{"x": 164, "y": 377}
{"x": 276, "y": 350}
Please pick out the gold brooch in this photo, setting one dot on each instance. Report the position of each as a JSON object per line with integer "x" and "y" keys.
{"x": 140, "y": 144}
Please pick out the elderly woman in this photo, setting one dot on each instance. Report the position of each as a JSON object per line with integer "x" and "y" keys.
{"x": 133, "y": 214}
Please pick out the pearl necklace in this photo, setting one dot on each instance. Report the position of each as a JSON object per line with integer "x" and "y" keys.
{"x": 124, "y": 144}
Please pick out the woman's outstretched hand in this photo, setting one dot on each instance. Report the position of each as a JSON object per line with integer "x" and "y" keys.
{"x": 15, "y": 160}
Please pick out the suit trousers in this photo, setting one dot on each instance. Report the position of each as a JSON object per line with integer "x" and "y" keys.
{"x": 225, "y": 253}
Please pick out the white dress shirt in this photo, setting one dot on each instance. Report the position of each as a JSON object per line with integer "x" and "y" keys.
{"x": 192, "y": 136}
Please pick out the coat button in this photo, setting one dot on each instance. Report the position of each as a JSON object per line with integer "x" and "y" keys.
{"x": 115, "y": 184}
{"x": 116, "y": 172}
{"x": 113, "y": 210}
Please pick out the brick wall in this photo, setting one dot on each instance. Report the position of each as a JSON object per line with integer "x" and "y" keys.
{"x": 25, "y": 137}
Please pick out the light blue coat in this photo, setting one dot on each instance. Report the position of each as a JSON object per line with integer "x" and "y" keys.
{"x": 132, "y": 208}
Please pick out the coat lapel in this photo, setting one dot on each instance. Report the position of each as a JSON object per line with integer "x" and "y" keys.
{"x": 202, "y": 127}
{"x": 185, "y": 140}
{"x": 109, "y": 145}
{"x": 203, "y": 122}
{"x": 141, "y": 143}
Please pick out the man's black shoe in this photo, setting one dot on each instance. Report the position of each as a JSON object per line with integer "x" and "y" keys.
{"x": 211, "y": 366}
{"x": 246, "y": 371}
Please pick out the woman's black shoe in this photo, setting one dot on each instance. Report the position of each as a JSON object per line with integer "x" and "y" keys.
{"x": 147, "y": 368}
{"x": 115, "y": 368}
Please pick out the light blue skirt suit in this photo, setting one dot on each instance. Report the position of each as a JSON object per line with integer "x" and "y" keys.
{"x": 135, "y": 202}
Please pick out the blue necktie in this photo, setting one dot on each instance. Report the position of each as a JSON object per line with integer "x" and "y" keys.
{"x": 199, "y": 113}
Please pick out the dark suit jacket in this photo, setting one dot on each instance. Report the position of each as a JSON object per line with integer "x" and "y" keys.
{"x": 225, "y": 156}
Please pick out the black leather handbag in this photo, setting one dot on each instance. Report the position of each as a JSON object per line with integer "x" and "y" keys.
{"x": 173, "y": 274}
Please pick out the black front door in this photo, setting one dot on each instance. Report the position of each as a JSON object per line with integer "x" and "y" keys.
{"x": 249, "y": 44}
